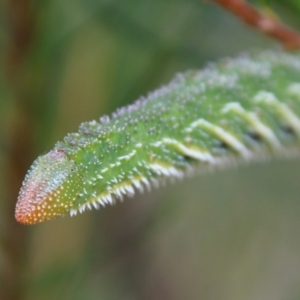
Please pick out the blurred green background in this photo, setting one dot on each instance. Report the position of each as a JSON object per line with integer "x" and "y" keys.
{"x": 229, "y": 235}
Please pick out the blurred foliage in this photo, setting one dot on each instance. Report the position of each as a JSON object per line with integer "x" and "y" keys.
{"x": 230, "y": 235}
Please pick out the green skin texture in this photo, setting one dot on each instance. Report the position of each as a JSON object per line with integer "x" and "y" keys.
{"x": 104, "y": 156}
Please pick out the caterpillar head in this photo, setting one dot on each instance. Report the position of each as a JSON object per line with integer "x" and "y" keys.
{"x": 49, "y": 189}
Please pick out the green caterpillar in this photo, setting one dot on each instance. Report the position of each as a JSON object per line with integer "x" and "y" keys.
{"x": 240, "y": 109}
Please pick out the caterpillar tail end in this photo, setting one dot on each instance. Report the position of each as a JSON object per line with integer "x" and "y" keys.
{"x": 49, "y": 190}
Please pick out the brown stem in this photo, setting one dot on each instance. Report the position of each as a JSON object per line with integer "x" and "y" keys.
{"x": 14, "y": 236}
{"x": 20, "y": 21}
{"x": 20, "y": 26}
{"x": 270, "y": 26}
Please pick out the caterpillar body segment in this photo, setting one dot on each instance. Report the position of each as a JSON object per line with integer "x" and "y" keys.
{"x": 237, "y": 110}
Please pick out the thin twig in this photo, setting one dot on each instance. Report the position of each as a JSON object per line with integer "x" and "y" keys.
{"x": 267, "y": 24}
{"x": 20, "y": 16}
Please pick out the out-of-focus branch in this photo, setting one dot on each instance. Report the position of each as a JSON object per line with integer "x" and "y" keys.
{"x": 21, "y": 25}
{"x": 20, "y": 32}
{"x": 267, "y": 24}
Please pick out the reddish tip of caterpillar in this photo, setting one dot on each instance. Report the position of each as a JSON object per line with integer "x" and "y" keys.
{"x": 28, "y": 211}
{"x": 47, "y": 191}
